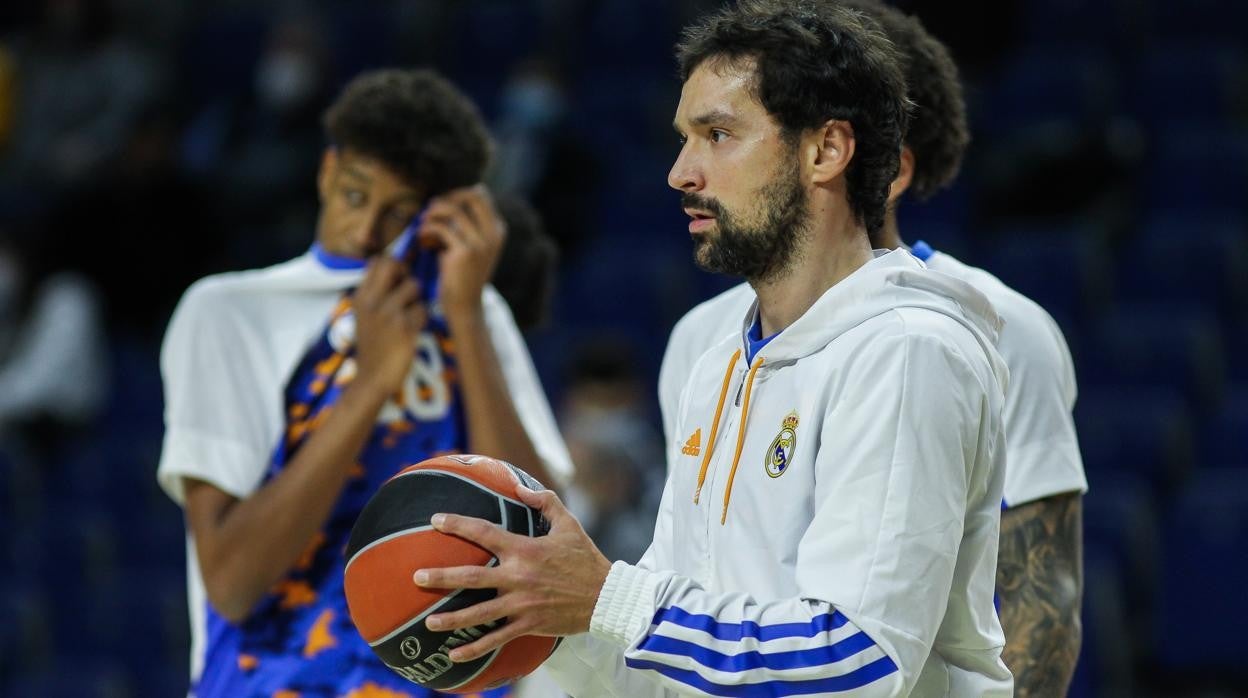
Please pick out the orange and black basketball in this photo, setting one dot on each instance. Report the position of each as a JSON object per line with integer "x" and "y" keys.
{"x": 393, "y": 538}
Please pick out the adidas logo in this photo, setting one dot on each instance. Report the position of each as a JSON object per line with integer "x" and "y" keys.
{"x": 694, "y": 445}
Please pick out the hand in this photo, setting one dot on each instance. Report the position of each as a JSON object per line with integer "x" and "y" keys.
{"x": 470, "y": 231}
{"x": 389, "y": 315}
{"x": 546, "y": 586}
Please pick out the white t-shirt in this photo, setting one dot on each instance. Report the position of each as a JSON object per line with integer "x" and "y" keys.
{"x": 230, "y": 349}
{"x": 1042, "y": 449}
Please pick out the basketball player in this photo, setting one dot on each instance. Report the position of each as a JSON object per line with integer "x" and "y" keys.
{"x": 832, "y": 525}
{"x": 1039, "y": 570}
{"x": 292, "y": 392}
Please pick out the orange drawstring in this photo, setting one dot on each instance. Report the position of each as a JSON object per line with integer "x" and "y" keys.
{"x": 719, "y": 410}
{"x": 736, "y": 458}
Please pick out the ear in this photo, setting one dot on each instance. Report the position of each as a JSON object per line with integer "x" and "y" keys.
{"x": 905, "y": 173}
{"x": 329, "y": 168}
{"x": 832, "y": 148}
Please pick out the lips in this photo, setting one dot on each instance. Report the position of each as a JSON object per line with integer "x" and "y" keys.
{"x": 701, "y": 220}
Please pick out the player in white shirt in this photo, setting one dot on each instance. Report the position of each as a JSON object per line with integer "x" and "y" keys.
{"x": 293, "y": 392}
{"x": 1040, "y": 574}
{"x": 831, "y": 525}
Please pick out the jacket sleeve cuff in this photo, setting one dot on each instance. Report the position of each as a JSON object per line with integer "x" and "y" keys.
{"x": 625, "y": 605}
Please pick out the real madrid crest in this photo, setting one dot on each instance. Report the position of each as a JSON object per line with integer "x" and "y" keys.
{"x": 780, "y": 453}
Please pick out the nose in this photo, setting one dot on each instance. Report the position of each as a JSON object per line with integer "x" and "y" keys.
{"x": 365, "y": 234}
{"x": 685, "y": 175}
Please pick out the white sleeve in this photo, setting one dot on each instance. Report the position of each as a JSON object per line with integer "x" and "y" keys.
{"x": 526, "y": 390}
{"x": 586, "y": 666}
{"x": 874, "y": 567}
{"x": 217, "y": 420}
{"x": 1042, "y": 458}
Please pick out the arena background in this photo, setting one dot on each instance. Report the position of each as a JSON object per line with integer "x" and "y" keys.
{"x": 145, "y": 143}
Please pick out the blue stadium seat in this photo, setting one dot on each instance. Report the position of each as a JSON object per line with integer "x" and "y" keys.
{"x": 1197, "y": 20}
{"x": 1105, "y": 657}
{"x": 72, "y": 676}
{"x": 67, "y": 550}
{"x": 1224, "y": 439}
{"x": 1064, "y": 22}
{"x": 1140, "y": 432}
{"x": 1186, "y": 81}
{"x": 25, "y": 626}
{"x": 1237, "y": 350}
{"x": 362, "y": 37}
{"x": 1066, "y": 272}
{"x": 1120, "y": 520}
{"x": 1048, "y": 84}
{"x": 1203, "y": 165}
{"x": 219, "y": 54}
{"x": 1202, "y": 601}
{"x": 1190, "y": 257}
{"x": 106, "y": 619}
{"x": 1159, "y": 346}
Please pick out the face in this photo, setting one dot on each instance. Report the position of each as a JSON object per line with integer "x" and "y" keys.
{"x": 740, "y": 179}
{"x": 364, "y": 204}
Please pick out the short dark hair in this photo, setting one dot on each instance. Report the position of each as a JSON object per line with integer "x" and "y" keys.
{"x": 415, "y": 122}
{"x": 938, "y": 133}
{"x": 814, "y": 64}
{"x": 525, "y": 275}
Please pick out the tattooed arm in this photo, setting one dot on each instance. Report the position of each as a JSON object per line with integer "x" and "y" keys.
{"x": 1040, "y": 585}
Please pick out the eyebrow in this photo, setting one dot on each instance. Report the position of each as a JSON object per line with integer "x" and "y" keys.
{"x": 715, "y": 116}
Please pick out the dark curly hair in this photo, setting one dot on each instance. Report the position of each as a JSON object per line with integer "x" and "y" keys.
{"x": 416, "y": 123}
{"x": 817, "y": 62}
{"x": 525, "y": 275}
{"x": 938, "y": 132}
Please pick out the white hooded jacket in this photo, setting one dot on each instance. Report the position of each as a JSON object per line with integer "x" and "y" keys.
{"x": 830, "y": 524}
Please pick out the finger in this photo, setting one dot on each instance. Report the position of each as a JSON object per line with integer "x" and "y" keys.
{"x": 486, "y": 644}
{"x": 417, "y": 315}
{"x": 480, "y": 206}
{"x": 366, "y": 293}
{"x": 476, "y": 614}
{"x": 545, "y": 501}
{"x": 383, "y": 273}
{"x": 462, "y": 577}
{"x": 444, "y": 236}
{"x": 453, "y": 212}
{"x": 403, "y": 295}
{"x": 485, "y": 534}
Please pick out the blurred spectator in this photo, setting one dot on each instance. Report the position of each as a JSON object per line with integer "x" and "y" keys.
{"x": 144, "y": 232}
{"x": 53, "y": 367}
{"x": 80, "y": 88}
{"x": 258, "y": 145}
{"x": 539, "y": 158}
{"x": 617, "y": 452}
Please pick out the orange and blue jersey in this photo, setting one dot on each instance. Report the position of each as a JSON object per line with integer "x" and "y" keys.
{"x": 299, "y": 640}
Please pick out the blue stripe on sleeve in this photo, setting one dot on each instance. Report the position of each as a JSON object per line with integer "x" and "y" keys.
{"x": 736, "y": 631}
{"x": 748, "y": 661}
{"x": 834, "y": 684}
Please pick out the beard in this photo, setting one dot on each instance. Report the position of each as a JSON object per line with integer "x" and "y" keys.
{"x": 762, "y": 247}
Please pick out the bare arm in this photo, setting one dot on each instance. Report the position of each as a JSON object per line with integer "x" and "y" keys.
{"x": 246, "y": 546}
{"x": 1040, "y": 584}
{"x": 494, "y": 427}
{"x": 465, "y": 223}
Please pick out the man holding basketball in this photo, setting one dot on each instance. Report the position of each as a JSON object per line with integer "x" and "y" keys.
{"x": 1039, "y": 569}
{"x": 830, "y": 523}
{"x": 293, "y": 392}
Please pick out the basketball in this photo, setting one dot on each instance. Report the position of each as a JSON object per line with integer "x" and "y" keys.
{"x": 393, "y": 538}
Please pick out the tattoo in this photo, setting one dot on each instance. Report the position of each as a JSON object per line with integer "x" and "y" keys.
{"x": 1040, "y": 587}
